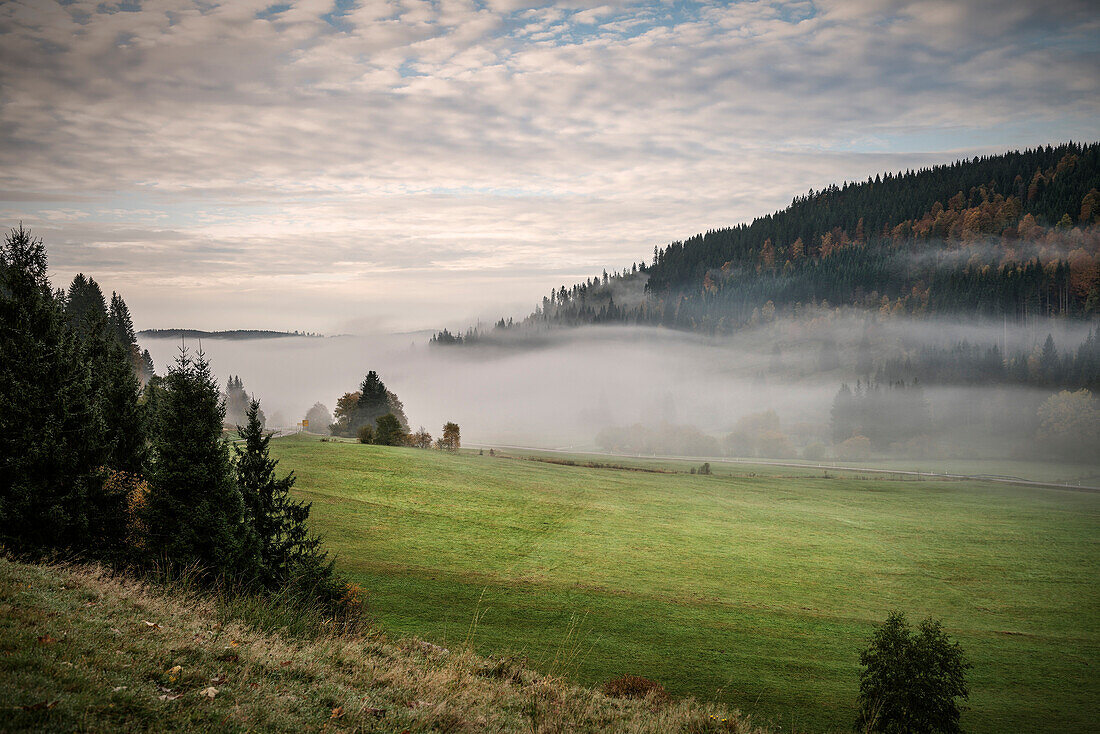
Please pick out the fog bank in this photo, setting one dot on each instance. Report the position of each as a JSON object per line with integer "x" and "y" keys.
{"x": 574, "y": 383}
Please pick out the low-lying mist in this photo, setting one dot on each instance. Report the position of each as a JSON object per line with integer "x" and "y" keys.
{"x": 573, "y": 384}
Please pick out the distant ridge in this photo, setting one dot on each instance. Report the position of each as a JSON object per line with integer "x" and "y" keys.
{"x": 1011, "y": 237}
{"x": 231, "y": 334}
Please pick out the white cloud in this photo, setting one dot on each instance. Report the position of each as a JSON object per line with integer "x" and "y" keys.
{"x": 398, "y": 134}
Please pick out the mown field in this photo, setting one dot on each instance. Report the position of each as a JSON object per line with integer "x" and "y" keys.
{"x": 753, "y": 590}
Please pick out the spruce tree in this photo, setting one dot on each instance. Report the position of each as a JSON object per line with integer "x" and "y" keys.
{"x": 116, "y": 391}
{"x": 194, "y": 510}
{"x": 118, "y": 316}
{"x": 48, "y": 418}
{"x": 83, "y": 302}
{"x": 284, "y": 549}
{"x": 118, "y": 441}
{"x": 373, "y": 401}
{"x": 146, "y": 370}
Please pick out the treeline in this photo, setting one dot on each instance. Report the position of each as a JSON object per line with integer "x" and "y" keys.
{"x": 887, "y": 411}
{"x": 897, "y": 418}
{"x": 230, "y": 334}
{"x": 964, "y": 363}
{"x": 1014, "y": 236}
{"x": 103, "y": 459}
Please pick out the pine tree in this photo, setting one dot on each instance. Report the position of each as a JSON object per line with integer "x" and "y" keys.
{"x": 1049, "y": 366}
{"x": 373, "y": 401}
{"x": 116, "y": 441}
{"x": 284, "y": 549}
{"x": 147, "y": 371}
{"x": 843, "y": 414}
{"x": 48, "y": 418}
{"x": 194, "y": 510}
{"x": 118, "y": 316}
{"x": 83, "y": 302}
{"x": 116, "y": 392}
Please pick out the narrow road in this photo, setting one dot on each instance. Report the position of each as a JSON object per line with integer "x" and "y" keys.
{"x": 835, "y": 467}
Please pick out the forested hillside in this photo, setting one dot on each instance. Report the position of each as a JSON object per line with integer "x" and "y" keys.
{"x": 1013, "y": 236}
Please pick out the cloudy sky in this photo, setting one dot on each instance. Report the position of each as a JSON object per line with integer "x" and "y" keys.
{"x": 349, "y": 165}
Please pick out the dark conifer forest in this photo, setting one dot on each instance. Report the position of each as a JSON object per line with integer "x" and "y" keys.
{"x": 102, "y": 459}
{"x": 1013, "y": 236}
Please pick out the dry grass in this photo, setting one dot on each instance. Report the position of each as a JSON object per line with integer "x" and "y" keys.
{"x": 84, "y": 650}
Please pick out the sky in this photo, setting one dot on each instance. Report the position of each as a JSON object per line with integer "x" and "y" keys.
{"x": 351, "y": 166}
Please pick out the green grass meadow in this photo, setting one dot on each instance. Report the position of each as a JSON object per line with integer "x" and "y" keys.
{"x": 758, "y": 591}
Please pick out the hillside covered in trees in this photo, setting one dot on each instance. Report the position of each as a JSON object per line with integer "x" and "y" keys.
{"x": 230, "y": 334}
{"x": 1013, "y": 236}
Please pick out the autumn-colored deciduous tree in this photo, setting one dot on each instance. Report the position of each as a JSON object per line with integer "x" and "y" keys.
{"x": 421, "y": 439}
{"x": 1090, "y": 207}
{"x": 856, "y": 447}
{"x": 451, "y": 440}
{"x": 345, "y": 411}
{"x": 1069, "y": 423}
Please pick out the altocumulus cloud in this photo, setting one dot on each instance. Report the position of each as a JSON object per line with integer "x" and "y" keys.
{"x": 307, "y": 164}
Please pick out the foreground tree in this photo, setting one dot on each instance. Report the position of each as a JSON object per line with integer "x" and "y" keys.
{"x": 48, "y": 417}
{"x": 284, "y": 550}
{"x": 117, "y": 392}
{"x": 83, "y": 303}
{"x": 194, "y": 510}
{"x": 910, "y": 683}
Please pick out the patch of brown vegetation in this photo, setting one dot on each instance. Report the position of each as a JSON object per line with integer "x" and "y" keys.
{"x": 635, "y": 686}
{"x": 109, "y": 670}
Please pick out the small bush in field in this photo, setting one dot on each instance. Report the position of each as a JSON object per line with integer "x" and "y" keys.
{"x": 910, "y": 682}
{"x": 365, "y": 434}
{"x": 634, "y": 686}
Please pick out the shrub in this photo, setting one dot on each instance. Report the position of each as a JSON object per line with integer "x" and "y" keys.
{"x": 774, "y": 444}
{"x": 910, "y": 683}
{"x": 814, "y": 452}
{"x": 421, "y": 439}
{"x": 634, "y": 686}
{"x": 388, "y": 431}
{"x": 365, "y": 434}
{"x": 136, "y": 492}
{"x": 856, "y": 447}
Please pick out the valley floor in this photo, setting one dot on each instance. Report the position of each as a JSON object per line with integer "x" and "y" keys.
{"x": 755, "y": 587}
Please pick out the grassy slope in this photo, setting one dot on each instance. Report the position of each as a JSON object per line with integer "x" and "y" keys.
{"x": 757, "y": 591}
{"x": 82, "y": 651}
